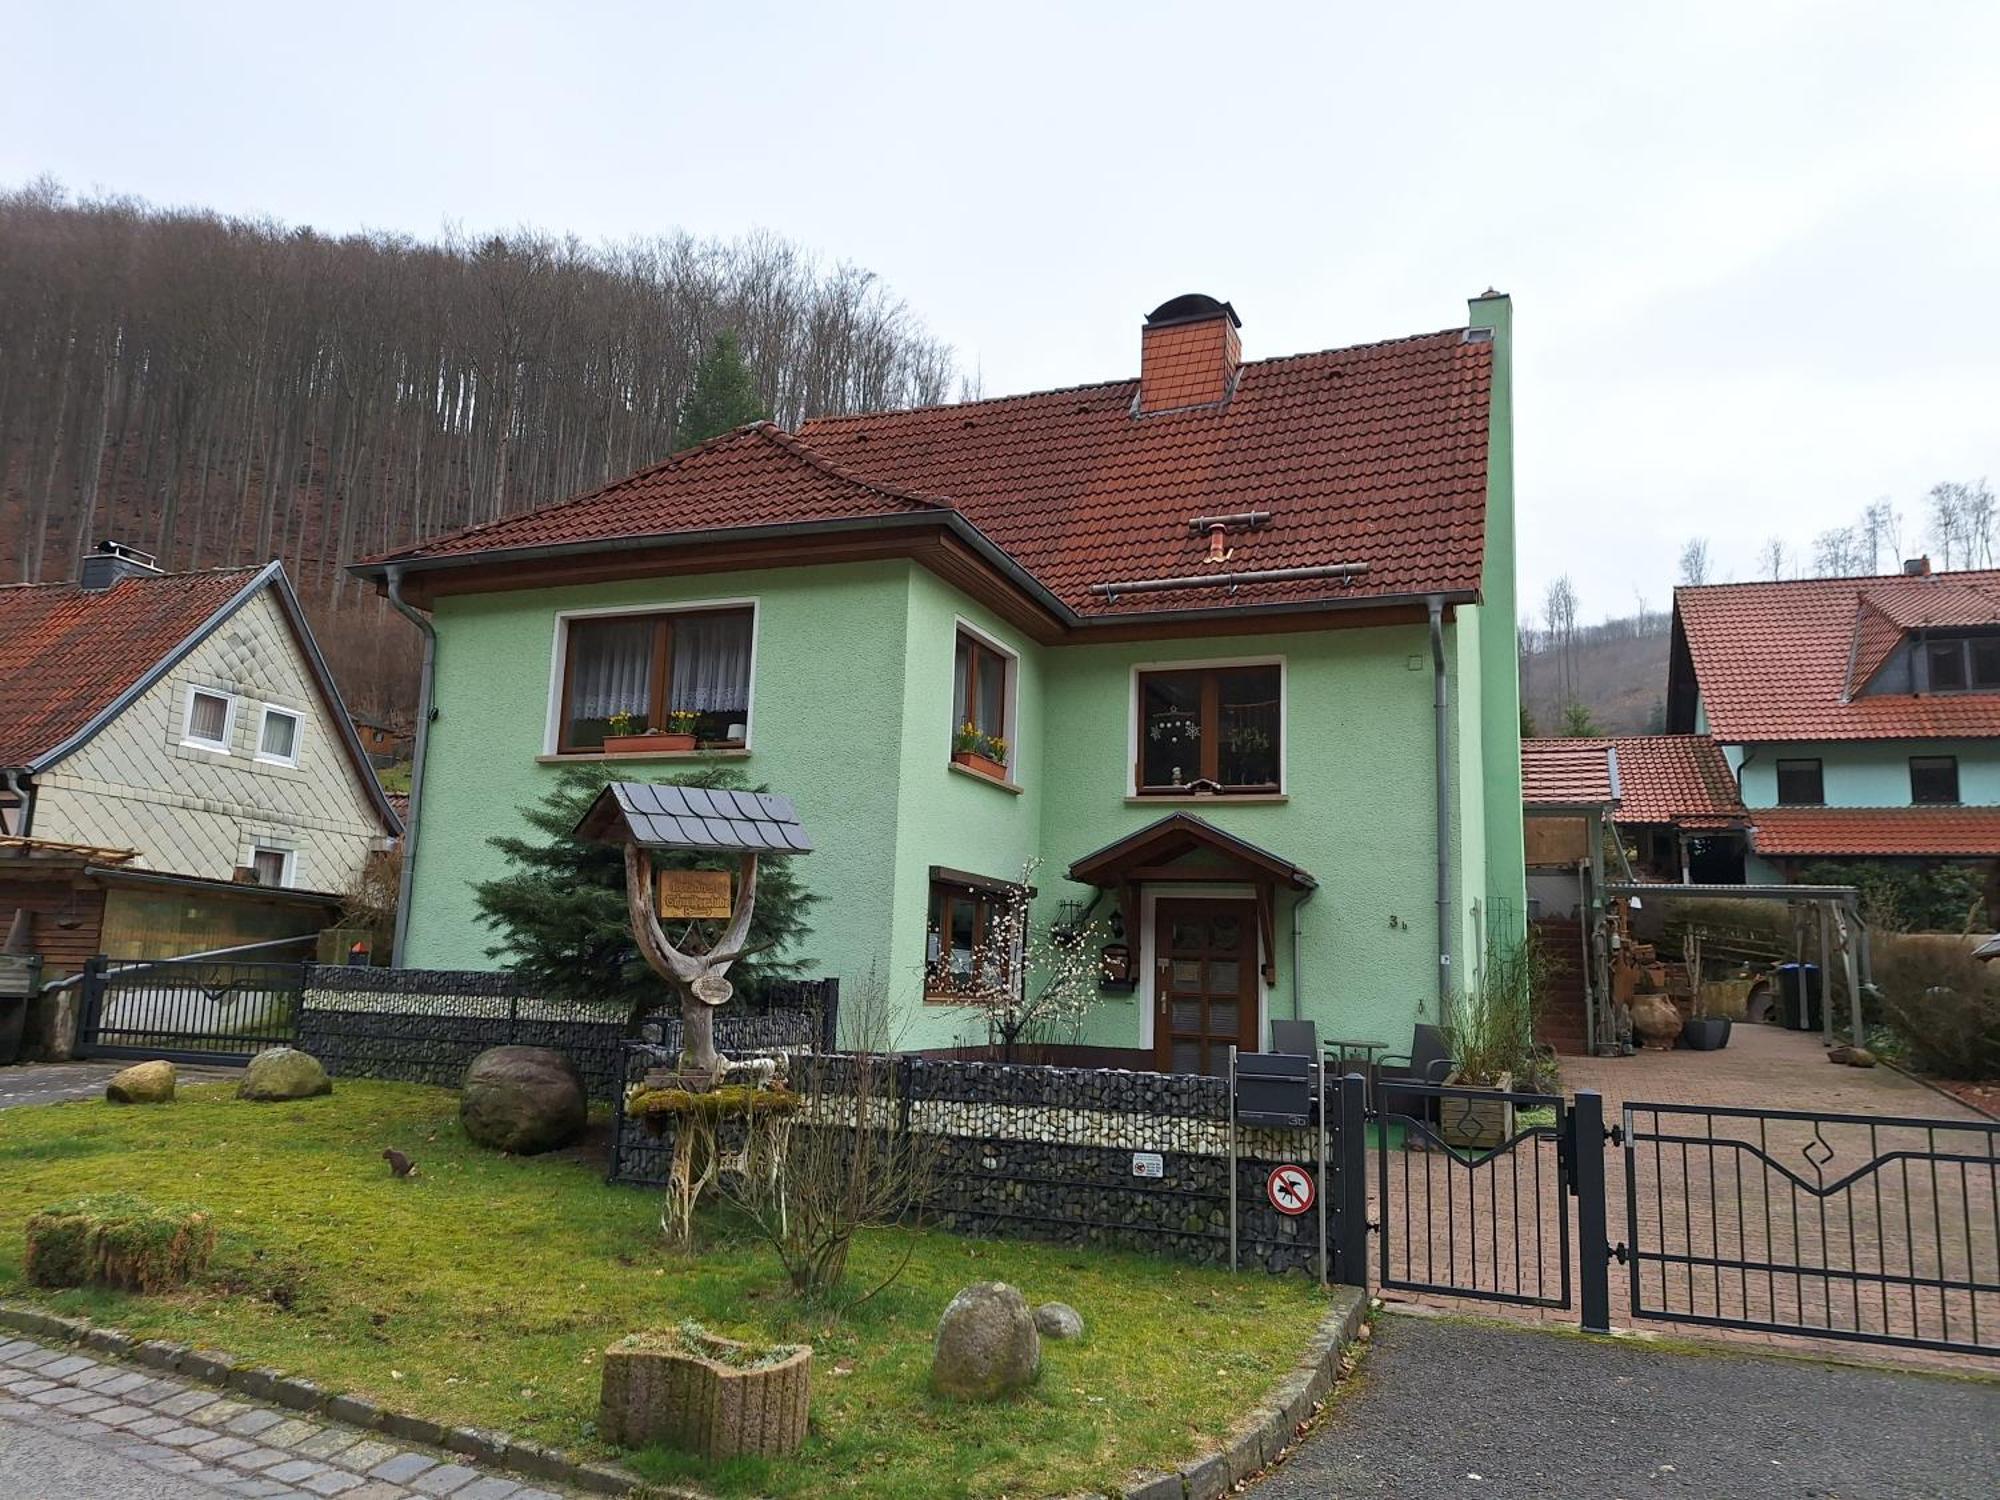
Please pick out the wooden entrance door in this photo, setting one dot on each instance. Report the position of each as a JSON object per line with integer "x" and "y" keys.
{"x": 1204, "y": 984}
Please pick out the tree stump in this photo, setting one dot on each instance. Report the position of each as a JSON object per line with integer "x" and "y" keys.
{"x": 702, "y": 1394}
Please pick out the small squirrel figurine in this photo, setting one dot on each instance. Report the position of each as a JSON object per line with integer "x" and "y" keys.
{"x": 399, "y": 1164}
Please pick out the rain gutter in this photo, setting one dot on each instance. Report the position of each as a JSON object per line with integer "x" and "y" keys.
{"x": 426, "y": 711}
{"x": 1441, "y": 733}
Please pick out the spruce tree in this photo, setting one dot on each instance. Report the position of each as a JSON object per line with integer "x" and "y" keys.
{"x": 560, "y": 911}
{"x": 723, "y": 395}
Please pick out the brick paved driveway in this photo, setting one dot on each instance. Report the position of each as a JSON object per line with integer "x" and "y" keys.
{"x": 1726, "y": 1206}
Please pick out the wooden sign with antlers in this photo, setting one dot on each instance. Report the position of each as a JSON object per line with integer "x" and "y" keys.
{"x": 648, "y": 816}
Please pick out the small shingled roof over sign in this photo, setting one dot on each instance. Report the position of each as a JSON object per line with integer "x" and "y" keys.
{"x": 662, "y": 815}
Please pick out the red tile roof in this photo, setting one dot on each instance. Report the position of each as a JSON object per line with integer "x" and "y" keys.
{"x": 66, "y": 654}
{"x": 1932, "y": 832}
{"x": 1374, "y": 454}
{"x": 1676, "y": 778}
{"x": 1772, "y": 659}
{"x": 1566, "y": 773}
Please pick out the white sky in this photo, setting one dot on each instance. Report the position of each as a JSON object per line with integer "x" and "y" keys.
{"x": 1752, "y": 246}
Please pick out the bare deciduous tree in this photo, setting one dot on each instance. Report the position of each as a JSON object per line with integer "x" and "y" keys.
{"x": 1771, "y": 557}
{"x": 1694, "y": 561}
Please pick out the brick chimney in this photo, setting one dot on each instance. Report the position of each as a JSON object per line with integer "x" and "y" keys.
{"x": 1188, "y": 354}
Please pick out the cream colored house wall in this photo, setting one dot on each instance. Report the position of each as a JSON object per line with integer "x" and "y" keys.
{"x": 192, "y": 811}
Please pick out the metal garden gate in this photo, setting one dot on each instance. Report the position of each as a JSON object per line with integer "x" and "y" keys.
{"x": 188, "y": 1010}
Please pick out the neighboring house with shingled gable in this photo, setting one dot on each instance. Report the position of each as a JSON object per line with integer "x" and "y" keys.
{"x": 1229, "y": 648}
{"x": 177, "y": 770}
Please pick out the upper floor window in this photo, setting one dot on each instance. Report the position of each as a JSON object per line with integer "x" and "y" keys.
{"x": 982, "y": 704}
{"x": 1210, "y": 729}
{"x": 1964, "y": 663}
{"x": 1801, "y": 784}
{"x": 681, "y": 673}
{"x": 278, "y": 737}
{"x": 1934, "y": 778}
{"x": 206, "y": 725}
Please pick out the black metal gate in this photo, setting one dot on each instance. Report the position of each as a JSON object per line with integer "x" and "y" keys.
{"x": 1472, "y": 1192}
{"x": 188, "y": 1010}
{"x": 1861, "y": 1227}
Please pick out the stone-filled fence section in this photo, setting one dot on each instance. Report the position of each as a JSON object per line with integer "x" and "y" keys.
{"x": 426, "y": 1025}
{"x": 1081, "y": 1156}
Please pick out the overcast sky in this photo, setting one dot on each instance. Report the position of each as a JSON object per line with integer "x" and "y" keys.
{"x": 1753, "y": 247}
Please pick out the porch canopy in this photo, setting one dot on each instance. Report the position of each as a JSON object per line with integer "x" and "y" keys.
{"x": 1184, "y": 848}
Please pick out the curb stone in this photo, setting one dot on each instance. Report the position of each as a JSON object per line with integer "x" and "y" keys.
{"x": 1264, "y": 1434}
{"x": 214, "y": 1368}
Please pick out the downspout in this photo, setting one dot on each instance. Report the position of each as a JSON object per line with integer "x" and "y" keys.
{"x": 1440, "y": 712}
{"x": 1298, "y": 904}
{"x": 425, "y": 710}
{"x": 25, "y": 797}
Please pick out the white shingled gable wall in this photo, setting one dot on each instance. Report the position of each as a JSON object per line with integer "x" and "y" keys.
{"x": 192, "y": 811}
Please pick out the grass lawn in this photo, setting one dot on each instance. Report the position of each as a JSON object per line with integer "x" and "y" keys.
{"x": 482, "y": 1290}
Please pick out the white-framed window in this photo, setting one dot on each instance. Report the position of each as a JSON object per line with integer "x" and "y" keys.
{"x": 272, "y": 867}
{"x": 1209, "y": 728}
{"x": 984, "y": 686}
{"x": 208, "y": 719}
{"x": 681, "y": 671}
{"x": 278, "y": 736}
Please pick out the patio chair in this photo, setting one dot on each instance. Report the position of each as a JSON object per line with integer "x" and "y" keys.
{"x": 1427, "y": 1061}
{"x": 1298, "y": 1038}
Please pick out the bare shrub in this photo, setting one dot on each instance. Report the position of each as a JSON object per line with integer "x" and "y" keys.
{"x": 1943, "y": 1003}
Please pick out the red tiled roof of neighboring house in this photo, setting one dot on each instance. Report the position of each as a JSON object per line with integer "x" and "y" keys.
{"x": 1374, "y": 454}
{"x": 1772, "y": 659}
{"x": 67, "y": 653}
{"x": 1681, "y": 779}
{"x": 1566, "y": 773}
{"x": 1876, "y": 637}
{"x": 1927, "y": 832}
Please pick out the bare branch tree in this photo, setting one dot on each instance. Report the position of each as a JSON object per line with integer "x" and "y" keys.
{"x": 1694, "y": 560}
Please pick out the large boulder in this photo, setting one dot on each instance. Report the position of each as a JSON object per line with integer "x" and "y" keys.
{"x": 142, "y": 1083}
{"x": 1058, "y": 1320}
{"x": 283, "y": 1073}
{"x": 522, "y": 1099}
{"x": 986, "y": 1343}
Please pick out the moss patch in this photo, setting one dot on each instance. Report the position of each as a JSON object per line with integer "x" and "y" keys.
{"x": 118, "y": 1241}
{"x": 485, "y": 1289}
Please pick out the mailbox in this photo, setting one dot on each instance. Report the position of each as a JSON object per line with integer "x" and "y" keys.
{"x": 1274, "y": 1088}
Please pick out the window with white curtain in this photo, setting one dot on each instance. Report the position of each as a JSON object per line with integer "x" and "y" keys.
{"x": 207, "y": 721}
{"x": 683, "y": 672}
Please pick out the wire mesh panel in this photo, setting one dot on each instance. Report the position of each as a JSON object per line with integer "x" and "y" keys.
{"x": 1470, "y": 1198}
{"x": 189, "y": 1010}
{"x": 1863, "y": 1227}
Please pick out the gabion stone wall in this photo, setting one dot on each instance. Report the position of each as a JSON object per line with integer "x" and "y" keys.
{"x": 1049, "y": 1153}
{"x": 426, "y": 1025}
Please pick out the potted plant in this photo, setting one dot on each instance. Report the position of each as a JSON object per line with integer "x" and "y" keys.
{"x": 1702, "y": 1031}
{"x": 625, "y": 734}
{"x": 1492, "y": 1036}
{"x": 984, "y": 753}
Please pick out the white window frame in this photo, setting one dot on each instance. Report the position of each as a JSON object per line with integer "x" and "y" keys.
{"x": 1010, "y": 719}
{"x": 214, "y": 747}
{"x": 298, "y": 735}
{"x": 559, "y": 653}
{"x": 1209, "y": 663}
{"x": 287, "y": 874}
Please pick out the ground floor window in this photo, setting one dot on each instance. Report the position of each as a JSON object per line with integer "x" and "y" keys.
{"x": 973, "y": 936}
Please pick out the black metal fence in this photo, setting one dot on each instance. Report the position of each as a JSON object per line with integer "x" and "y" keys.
{"x": 1859, "y": 1227}
{"x": 188, "y": 1010}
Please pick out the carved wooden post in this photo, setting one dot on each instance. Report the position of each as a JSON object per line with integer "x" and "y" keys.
{"x": 685, "y": 971}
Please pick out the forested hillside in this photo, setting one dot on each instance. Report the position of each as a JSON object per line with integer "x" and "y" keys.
{"x": 224, "y": 391}
{"x": 1616, "y": 670}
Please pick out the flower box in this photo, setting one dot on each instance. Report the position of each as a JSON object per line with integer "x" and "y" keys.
{"x": 1469, "y": 1122}
{"x": 692, "y": 1390}
{"x": 639, "y": 744}
{"x": 985, "y": 765}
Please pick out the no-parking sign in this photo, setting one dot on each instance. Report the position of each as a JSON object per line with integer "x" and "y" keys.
{"x": 1290, "y": 1189}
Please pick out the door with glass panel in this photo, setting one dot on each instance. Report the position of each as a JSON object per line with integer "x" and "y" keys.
{"x": 1204, "y": 984}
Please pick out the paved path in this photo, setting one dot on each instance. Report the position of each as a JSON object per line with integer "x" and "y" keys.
{"x": 77, "y": 1428}
{"x": 50, "y": 1083}
{"x": 1495, "y": 1411}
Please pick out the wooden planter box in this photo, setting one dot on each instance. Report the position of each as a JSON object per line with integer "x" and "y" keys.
{"x": 1476, "y": 1124}
{"x": 656, "y": 1389}
{"x": 639, "y": 744}
{"x": 985, "y": 765}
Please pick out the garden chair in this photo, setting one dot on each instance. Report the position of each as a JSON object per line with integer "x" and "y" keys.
{"x": 1298, "y": 1038}
{"x": 1428, "y": 1061}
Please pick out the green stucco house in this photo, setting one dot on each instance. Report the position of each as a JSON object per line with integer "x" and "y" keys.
{"x": 1228, "y": 648}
